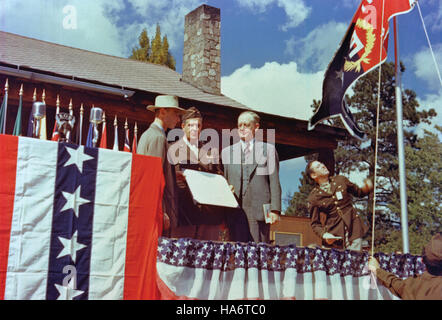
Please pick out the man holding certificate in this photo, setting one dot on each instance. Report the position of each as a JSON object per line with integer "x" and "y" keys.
{"x": 195, "y": 220}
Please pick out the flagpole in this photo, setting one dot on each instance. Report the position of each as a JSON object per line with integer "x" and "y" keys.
{"x": 6, "y": 106}
{"x": 81, "y": 124}
{"x": 400, "y": 142}
{"x": 116, "y": 147}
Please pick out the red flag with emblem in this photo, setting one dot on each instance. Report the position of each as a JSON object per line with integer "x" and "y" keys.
{"x": 363, "y": 48}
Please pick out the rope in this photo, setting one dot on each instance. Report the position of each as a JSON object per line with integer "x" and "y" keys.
{"x": 377, "y": 133}
{"x": 429, "y": 43}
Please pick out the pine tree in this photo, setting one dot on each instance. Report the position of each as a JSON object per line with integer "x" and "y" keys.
{"x": 298, "y": 203}
{"x": 142, "y": 52}
{"x": 154, "y": 51}
{"x": 156, "y": 47}
{"x": 166, "y": 58}
{"x": 424, "y": 184}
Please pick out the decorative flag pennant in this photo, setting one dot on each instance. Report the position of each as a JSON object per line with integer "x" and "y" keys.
{"x": 17, "y": 126}
{"x": 363, "y": 48}
{"x": 103, "y": 141}
{"x": 79, "y": 137}
{"x": 90, "y": 136}
{"x": 31, "y": 118}
{"x": 4, "y": 110}
{"x": 126, "y": 138}
{"x": 55, "y": 135}
{"x": 43, "y": 133}
{"x": 134, "y": 142}
{"x": 116, "y": 147}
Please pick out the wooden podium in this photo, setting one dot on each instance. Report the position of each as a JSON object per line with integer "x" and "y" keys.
{"x": 293, "y": 230}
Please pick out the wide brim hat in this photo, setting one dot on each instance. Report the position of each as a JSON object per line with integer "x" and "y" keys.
{"x": 165, "y": 102}
{"x": 433, "y": 250}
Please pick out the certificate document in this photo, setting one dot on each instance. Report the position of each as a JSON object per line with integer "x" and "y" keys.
{"x": 210, "y": 188}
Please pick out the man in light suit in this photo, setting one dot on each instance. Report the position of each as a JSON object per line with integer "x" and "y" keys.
{"x": 252, "y": 169}
{"x": 153, "y": 142}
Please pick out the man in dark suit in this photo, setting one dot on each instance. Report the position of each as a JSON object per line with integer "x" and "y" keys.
{"x": 195, "y": 220}
{"x": 153, "y": 142}
{"x": 252, "y": 169}
{"x": 332, "y": 198}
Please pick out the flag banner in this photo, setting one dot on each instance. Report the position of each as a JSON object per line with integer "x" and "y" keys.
{"x": 43, "y": 134}
{"x": 116, "y": 146}
{"x": 103, "y": 141}
{"x": 30, "y": 125}
{"x": 55, "y": 134}
{"x": 17, "y": 125}
{"x": 126, "y": 141}
{"x": 2, "y": 107}
{"x": 76, "y": 222}
{"x": 196, "y": 269}
{"x": 134, "y": 144}
{"x": 363, "y": 48}
{"x": 90, "y": 134}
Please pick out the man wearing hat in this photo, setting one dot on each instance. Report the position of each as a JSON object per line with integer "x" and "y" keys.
{"x": 153, "y": 142}
{"x": 427, "y": 286}
{"x": 195, "y": 221}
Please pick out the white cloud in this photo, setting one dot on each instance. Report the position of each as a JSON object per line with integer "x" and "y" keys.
{"x": 314, "y": 51}
{"x": 429, "y": 101}
{"x": 278, "y": 89}
{"x": 296, "y": 10}
{"x": 102, "y": 25}
{"x": 44, "y": 20}
{"x": 424, "y": 67}
{"x": 433, "y": 20}
{"x": 275, "y": 88}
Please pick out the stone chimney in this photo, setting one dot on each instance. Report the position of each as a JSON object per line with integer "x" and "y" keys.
{"x": 202, "y": 49}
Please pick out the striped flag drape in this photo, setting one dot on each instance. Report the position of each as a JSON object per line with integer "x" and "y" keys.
{"x": 212, "y": 270}
{"x": 77, "y": 222}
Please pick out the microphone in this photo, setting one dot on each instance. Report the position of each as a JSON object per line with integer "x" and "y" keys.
{"x": 96, "y": 117}
{"x": 38, "y": 112}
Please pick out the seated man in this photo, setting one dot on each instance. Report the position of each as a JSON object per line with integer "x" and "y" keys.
{"x": 196, "y": 221}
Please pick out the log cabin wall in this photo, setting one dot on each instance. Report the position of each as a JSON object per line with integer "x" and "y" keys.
{"x": 292, "y": 138}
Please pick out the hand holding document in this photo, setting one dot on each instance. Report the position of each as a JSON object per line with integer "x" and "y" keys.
{"x": 330, "y": 238}
{"x": 209, "y": 188}
{"x": 269, "y": 216}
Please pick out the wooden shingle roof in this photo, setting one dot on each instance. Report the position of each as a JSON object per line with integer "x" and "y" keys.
{"x": 74, "y": 63}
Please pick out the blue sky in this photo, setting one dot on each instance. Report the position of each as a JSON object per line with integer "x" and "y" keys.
{"x": 273, "y": 52}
